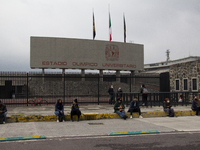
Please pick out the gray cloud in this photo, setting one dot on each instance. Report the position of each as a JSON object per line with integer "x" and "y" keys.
{"x": 159, "y": 25}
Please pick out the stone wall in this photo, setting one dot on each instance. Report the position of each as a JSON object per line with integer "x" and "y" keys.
{"x": 182, "y": 71}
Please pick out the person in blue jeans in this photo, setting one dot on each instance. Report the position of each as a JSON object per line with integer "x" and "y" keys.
{"x": 134, "y": 107}
{"x": 59, "y": 109}
{"x": 3, "y": 111}
{"x": 195, "y": 105}
{"x": 119, "y": 108}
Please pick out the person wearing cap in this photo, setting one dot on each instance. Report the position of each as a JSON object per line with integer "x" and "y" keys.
{"x": 75, "y": 110}
{"x": 134, "y": 107}
{"x": 3, "y": 111}
{"x": 119, "y": 108}
{"x": 59, "y": 109}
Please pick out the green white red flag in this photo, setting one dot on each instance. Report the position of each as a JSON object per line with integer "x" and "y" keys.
{"x": 110, "y": 29}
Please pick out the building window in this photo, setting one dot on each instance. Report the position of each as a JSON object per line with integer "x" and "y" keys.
{"x": 194, "y": 84}
{"x": 177, "y": 85}
{"x": 185, "y": 84}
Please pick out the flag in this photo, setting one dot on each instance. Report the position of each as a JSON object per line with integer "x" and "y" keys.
{"x": 94, "y": 31}
{"x": 110, "y": 30}
{"x": 124, "y": 30}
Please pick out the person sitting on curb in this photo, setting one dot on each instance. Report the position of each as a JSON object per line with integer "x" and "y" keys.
{"x": 59, "y": 109}
{"x": 119, "y": 108}
{"x": 134, "y": 107}
{"x": 167, "y": 108}
{"x": 75, "y": 110}
{"x": 195, "y": 105}
{"x": 3, "y": 112}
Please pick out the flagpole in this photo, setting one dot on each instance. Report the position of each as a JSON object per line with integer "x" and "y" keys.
{"x": 110, "y": 28}
{"x": 94, "y": 30}
{"x": 93, "y": 23}
{"x": 124, "y": 28}
{"x": 108, "y": 22}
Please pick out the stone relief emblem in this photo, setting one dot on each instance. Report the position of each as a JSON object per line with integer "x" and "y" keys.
{"x": 112, "y": 52}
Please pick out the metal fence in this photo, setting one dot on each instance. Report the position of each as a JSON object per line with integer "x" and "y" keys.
{"x": 37, "y": 89}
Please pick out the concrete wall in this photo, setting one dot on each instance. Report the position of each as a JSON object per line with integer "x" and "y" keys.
{"x": 49, "y": 52}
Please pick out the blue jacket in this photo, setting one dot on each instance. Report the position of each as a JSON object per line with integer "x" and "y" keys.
{"x": 132, "y": 105}
{"x": 74, "y": 108}
{"x": 59, "y": 108}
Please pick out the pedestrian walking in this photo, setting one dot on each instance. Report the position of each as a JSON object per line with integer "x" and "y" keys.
{"x": 111, "y": 94}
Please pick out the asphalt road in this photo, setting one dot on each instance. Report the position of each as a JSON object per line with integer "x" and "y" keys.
{"x": 164, "y": 141}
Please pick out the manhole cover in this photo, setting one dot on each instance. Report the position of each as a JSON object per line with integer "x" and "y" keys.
{"x": 95, "y": 123}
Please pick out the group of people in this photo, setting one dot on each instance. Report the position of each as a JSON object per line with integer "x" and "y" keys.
{"x": 111, "y": 94}
{"x": 143, "y": 90}
{"x": 59, "y": 110}
{"x": 119, "y": 108}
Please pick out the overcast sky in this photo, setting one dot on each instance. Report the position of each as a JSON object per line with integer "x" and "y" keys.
{"x": 158, "y": 24}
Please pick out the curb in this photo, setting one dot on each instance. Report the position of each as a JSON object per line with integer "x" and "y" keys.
{"x": 22, "y": 138}
{"x": 35, "y": 118}
{"x": 133, "y": 132}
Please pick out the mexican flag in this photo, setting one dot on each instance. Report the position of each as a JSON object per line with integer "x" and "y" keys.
{"x": 110, "y": 30}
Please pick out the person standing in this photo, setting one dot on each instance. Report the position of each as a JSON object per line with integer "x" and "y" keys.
{"x": 3, "y": 111}
{"x": 134, "y": 107}
{"x": 75, "y": 110}
{"x": 195, "y": 105}
{"x": 144, "y": 92}
{"x": 59, "y": 109}
{"x": 119, "y": 92}
{"x": 119, "y": 108}
{"x": 111, "y": 93}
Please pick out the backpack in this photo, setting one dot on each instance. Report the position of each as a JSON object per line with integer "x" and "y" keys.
{"x": 61, "y": 118}
{"x": 171, "y": 113}
{"x": 1, "y": 119}
{"x": 145, "y": 91}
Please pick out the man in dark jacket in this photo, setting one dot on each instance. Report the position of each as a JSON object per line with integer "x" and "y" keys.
{"x": 111, "y": 93}
{"x": 75, "y": 110}
{"x": 3, "y": 111}
{"x": 119, "y": 108}
{"x": 134, "y": 107}
{"x": 119, "y": 92}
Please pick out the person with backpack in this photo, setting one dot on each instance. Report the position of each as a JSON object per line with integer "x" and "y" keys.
{"x": 3, "y": 112}
{"x": 167, "y": 108}
{"x": 195, "y": 105}
{"x": 111, "y": 93}
{"x": 144, "y": 92}
{"x": 75, "y": 110}
{"x": 59, "y": 111}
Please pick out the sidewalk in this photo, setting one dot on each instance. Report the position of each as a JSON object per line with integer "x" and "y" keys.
{"x": 89, "y": 112}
